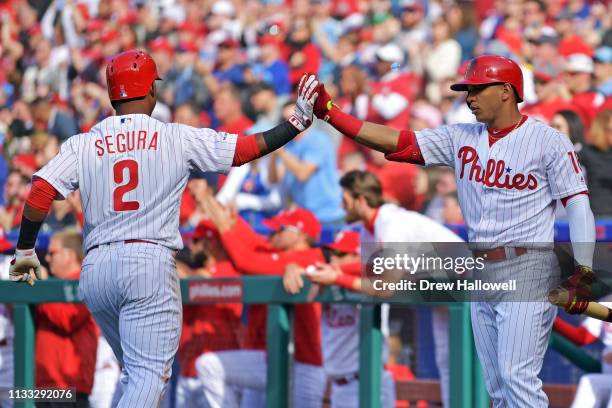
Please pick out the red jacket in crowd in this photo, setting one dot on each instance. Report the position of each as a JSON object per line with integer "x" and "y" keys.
{"x": 249, "y": 255}
{"x": 212, "y": 327}
{"x": 66, "y": 346}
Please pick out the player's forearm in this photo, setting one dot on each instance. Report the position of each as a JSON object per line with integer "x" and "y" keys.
{"x": 378, "y": 137}
{"x": 34, "y": 212}
{"x": 582, "y": 229}
{"x": 254, "y": 146}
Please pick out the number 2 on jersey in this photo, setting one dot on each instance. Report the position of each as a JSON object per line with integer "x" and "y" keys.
{"x": 132, "y": 183}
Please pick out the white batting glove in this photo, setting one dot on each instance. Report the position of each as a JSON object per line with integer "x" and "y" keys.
{"x": 304, "y": 104}
{"x": 23, "y": 263}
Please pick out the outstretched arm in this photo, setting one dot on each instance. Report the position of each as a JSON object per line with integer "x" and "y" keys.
{"x": 397, "y": 145}
{"x": 254, "y": 146}
{"x": 34, "y": 212}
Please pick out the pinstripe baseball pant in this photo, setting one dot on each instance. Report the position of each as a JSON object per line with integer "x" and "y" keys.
{"x": 511, "y": 331}
{"x": 132, "y": 290}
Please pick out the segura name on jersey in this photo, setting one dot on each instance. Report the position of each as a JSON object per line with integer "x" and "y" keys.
{"x": 126, "y": 142}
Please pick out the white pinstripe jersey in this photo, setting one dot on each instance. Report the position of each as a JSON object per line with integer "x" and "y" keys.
{"x": 131, "y": 171}
{"x": 507, "y": 192}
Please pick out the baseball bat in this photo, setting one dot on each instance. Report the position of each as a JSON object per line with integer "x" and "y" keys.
{"x": 595, "y": 310}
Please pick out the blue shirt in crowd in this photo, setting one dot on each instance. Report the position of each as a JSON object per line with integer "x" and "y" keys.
{"x": 321, "y": 193}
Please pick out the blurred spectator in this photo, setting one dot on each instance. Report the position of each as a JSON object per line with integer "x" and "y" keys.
{"x": 569, "y": 123}
{"x": 273, "y": 69}
{"x": 268, "y": 106}
{"x": 16, "y": 191}
{"x": 441, "y": 59}
{"x": 189, "y": 83}
{"x": 413, "y": 23}
{"x": 303, "y": 55}
{"x": 451, "y": 211}
{"x": 402, "y": 185}
{"x": 442, "y": 183}
{"x": 603, "y": 70}
{"x": 394, "y": 89}
{"x": 578, "y": 79}
{"x": 58, "y": 122}
{"x": 549, "y": 97}
{"x": 307, "y": 169}
{"x": 597, "y": 160}
{"x": 66, "y": 335}
{"x": 462, "y": 21}
{"x": 228, "y": 111}
{"x": 570, "y": 41}
{"x": 44, "y": 76}
{"x": 228, "y": 67}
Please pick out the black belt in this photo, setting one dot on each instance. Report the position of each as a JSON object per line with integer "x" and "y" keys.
{"x": 499, "y": 254}
{"x": 127, "y": 241}
{"x": 347, "y": 379}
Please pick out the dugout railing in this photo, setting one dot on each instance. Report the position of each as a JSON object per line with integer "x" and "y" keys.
{"x": 466, "y": 380}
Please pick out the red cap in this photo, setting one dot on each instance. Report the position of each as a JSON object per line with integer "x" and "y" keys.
{"x": 5, "y": 244}
{"x": 300, "y": 218}
{"x": 25, "y": 160}
{"x": 269, "y": 39}
{"x": 188, "y": 46}
{"x": 346, "y": 241}
{"x": 492, "y": 69}
{"x": 130, "y": 17}
{"x": 206, "y": 229}
{"x": 161, "y": 44}
{"x": 229, "y": 43}
{"x": 110, "y": 35}
{"x": 190, "y": 27}
{"x": 95, "y": 25}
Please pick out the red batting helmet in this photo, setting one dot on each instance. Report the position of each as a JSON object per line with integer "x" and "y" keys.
{"x": 130, "y": 75}
{"x": 492, "y": 69}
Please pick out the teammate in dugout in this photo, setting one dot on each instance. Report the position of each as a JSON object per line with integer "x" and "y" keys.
{"x": 510, "y": 170}
{"x": 131, "y": 170}
{"x": 223, "y": 372}
{"x": 384, "y": 223}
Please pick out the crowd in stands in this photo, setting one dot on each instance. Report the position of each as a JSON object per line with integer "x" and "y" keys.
{"x": 232, "y": 65}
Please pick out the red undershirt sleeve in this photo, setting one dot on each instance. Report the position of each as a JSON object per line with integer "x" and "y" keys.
{"x": 41, "y": 195}
{"x": 407, "y": 149}
{"x": 564, "y": 200}
{"x": 246, "y": 150}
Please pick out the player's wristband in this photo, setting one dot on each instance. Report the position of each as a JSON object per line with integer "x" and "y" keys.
{"x": 28, "y": 233}
{"x": 279, "y": 135}
{"x": 343, "y": 122}
{"x": 346, "y": 281}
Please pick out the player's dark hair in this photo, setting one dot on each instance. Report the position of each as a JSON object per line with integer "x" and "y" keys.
{"x": 575, "y": 125}
{"x": 363, "y": 183}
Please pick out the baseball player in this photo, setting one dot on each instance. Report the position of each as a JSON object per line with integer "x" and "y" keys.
{"x": 223, "y": 372}
{"x": 131, "y": 170}
{"x": 362, "y": 199}
{"x": 340, "y": 325}
{"x": 594, "y": 390}
{"x": 510, "y": 170}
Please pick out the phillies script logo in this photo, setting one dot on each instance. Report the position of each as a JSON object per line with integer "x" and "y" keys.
{"x": 497, "y": 174}
{"x": 221, "y": 290}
